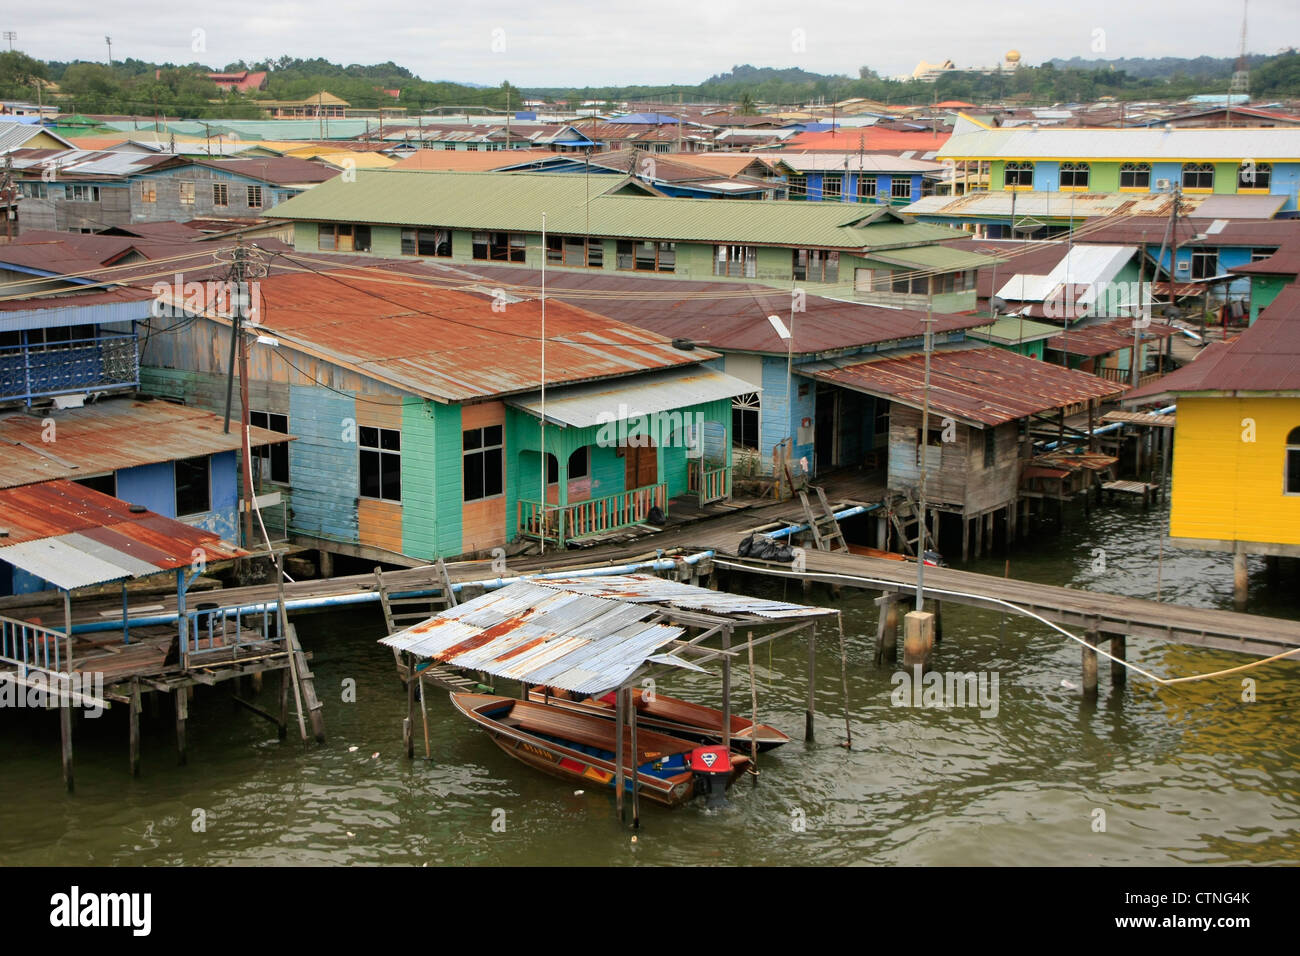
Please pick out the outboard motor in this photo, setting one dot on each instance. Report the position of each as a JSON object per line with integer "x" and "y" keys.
{"x": 712, "y": 768}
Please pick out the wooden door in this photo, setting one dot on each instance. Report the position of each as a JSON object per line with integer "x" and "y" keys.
{"x": 640, "y": 464}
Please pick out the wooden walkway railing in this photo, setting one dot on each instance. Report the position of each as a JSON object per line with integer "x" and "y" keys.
{"x": 580, "y": 519}
{"x": 711, "y": 484}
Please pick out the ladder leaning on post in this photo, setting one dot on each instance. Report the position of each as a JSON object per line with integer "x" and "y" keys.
{"x": 402, "y": 612}
{"x": 824, "y": 526}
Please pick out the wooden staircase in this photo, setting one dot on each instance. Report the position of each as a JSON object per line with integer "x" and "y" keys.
{"x": 825, "y": 528}
{"x": 401, "y": 612}
{"x": 904, "y": 509}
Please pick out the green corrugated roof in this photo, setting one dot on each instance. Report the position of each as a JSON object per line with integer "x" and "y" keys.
{"x": 936, "y": 257}
{"x": 516, "y": 202}
{"x": 1013, "y": 329}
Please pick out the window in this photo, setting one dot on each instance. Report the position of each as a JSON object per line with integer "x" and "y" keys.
{"x": 832, "y": 186}
{"x": 580, "y": 463}
{"x": 1019, "y": 175}
{"x": 499, "y": 246}
{"x": 1135, "y": 176}
{"x": 1259, "y": 255}
{"x": 104, "y": 484}
{"x": 798, "y": 186}
{"x": 472, "y": 147}
{"x": 1198, "y": 176}
{"x": 1074, "y": 175}
{"x": 909, "y": 284}
{"x": 1205, "y": 263}
{"x": 866, "y": 187}
{"x": 381, "y": 463}
{"x": 1292, "y": 465}
{"x": 900, "y": 188}
{"x": 426, "y": 242}
{"x": 744, "y": 420}
{"x": 738, "y": 261}
{"x": 33, "y": 190}
{"x": 192, "y": 487}
{"x": 254, "y": 197}
{"x": 647, "y": 256}
{"x": 483, "y": 452}
{"x": 187, "y": 193}
{"x": 990, "y": 447}
{"x": 343, "y": 237}
{"x": 81, "y": 193}
{"x": 271, "y": 462}
{"x": 1254, "y": 176}
{"x": 574, "y": 251}
{"x": 881, "y": 417}
{"x": 148, "y": 192}
{"x": 220, "y": 194}
{"x": 815, "y": 265}
{"x": 931, "y": 457}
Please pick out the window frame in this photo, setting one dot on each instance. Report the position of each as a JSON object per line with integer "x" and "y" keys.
{"x": 416, "y": 238}
{"x": 1291, "y": 464}
{"x": 1197, "y": 172}
{"x": 1263, "y": 178}
{"x": 483, "y": 450}
{"x": 499, "y": 246}
{"x": 817, "y": 265}
{"x": 1135, "y": 171}
{"x": 829, "y": 180}
{"x": 185, "y": 188}
{"x": 176, "y": 485}
{"x": 1199, "y": 258}
{"x": 571, "y": 247}
{"x": 1024, "y": 174}
{"x": 338, "y": 230}
{"x": 724, "y": 257}
{"x": 270, "y": 459}
{"x": 743, "y": 407}
{"x": 627, "y": 260}
{"x": 250, "y": 192}
{"x": 1076, "y": 171}
{"x": 148, "y": 191}
{"x": 221, "y": 194}
{"x": 868, "y": 181}
{"x": 895, "y": 192}
{"x": 381, "y": 454}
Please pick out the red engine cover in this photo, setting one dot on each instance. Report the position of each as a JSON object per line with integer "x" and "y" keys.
{"x": 711, "y": 760}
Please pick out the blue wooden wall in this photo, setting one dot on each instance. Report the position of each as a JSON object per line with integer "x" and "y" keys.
{"x": 324, "y": 466}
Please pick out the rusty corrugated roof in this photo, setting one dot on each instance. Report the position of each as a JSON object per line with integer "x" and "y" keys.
{"x": 110, "y": 435}
{"x": 1105, "y": 337}
{"x": 452, "y": 345}
{"x": 73, "y": 536}
{"x": 983, "y": 386}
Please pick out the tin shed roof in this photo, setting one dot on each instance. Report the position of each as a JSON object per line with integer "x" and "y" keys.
{"x": 72, "y": 536}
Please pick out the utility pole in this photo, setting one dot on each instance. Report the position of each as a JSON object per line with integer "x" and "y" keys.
{"x": 109, "y": 41}
{"x": 8, "y": 197}
{"x": 10, "y": 35}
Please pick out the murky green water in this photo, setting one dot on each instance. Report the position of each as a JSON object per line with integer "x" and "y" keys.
{"x": 1193, "y": 775}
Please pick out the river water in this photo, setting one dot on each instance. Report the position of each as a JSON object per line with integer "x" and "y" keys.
{"x": 1142, "y": 776}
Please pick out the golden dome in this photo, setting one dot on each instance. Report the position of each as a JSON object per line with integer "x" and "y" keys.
{"x": 1013, "y": 56}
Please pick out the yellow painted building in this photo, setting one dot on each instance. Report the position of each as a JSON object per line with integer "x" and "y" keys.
{"x": 1230, "y": 474}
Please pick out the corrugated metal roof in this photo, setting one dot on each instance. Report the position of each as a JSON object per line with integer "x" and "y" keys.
{"x": 1265, "y": 359}
{"x": 73, "y": 536}
{"x": 451, "y": 345}
{"x": 940, "y": 256}
{"x": 14, "y": 135}
{"x": 517, "y": 201}
{"x": 648, "y": 589}
{"x": 983, "y": 386}
{"x": 110, "y": 435}
{"x": 1231, "y": 145}
{"x": 1012, "y": 329}
{"x": 598, "y": 403}
{"x": 852, "y": 162}
{"x": 1103, "y": 338}
{"x": 541, "y": 635}
{"x": 1083, "y": 268}
{"x": 1046, "y": 204}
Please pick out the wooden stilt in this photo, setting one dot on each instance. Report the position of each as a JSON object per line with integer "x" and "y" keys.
{"x": 620, "y": 777}
{"x": 284, "y": 703}
{"x": 133, "y": 718}
{"x": 65, "y": 733}
{"x": 1118, "y": 672}
{"x": 812, "y": 675}
{"x": 182, "y": 714}
{"x": 753, "y": 712}
{"x": 1090, "y": 664}
{"x": 408, "y": 725}
{"x": 1240, "y": 578}
{"x": 965, "y": 538}
{"x": 938, "y": 622}
{"x": 636, "y": 777}
{"x": 726, "y": 689}
{"x": 424, "y": 717}
{"x": 979, "y": 536}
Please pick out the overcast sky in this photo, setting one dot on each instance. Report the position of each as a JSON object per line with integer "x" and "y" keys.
{"x": 582, "y": 42}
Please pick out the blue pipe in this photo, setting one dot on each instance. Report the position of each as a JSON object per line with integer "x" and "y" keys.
{"x": 1105, "y": 429}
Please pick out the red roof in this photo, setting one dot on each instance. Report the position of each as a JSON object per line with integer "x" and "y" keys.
{"x": 1263, "y": 359}
{"x": 277, "y": 170}
{"x": 452, "y": 345}
{"x": 986, "y": 386}
{"x": 242, "y": 81}
{"x": 1104, "y": 338}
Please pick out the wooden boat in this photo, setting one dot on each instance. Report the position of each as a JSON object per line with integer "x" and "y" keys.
{"x": 932, "y": 558}
{"x": 580, "y": 748}
{"x": 670, "y": 715}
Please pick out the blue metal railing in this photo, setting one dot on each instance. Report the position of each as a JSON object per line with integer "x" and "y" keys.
{"x": 211, "y": 631}
{"x": 78, "y": 365}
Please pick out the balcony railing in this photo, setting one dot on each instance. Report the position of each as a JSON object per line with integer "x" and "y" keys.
{"x": 1125, "y": 376}
{"x": 561, "y": 524}
{"x": 79, "y": 365}
{"x": 710, "y": 482}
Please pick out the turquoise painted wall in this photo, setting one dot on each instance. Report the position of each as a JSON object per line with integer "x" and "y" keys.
{"x": 432, "y": 479}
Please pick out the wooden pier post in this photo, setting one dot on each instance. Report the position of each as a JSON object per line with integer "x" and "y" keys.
{"x": 182, "y": 714}
{"x": 812, "y": 673}
{"x": 979, "y": 536}
{"x": 1090, "y": 664}
{"x": 620, "y": 777}
{"x": 1118, "y": 651}
{"x": 284, "y": 703}
{"x": 918, "y": 638}
{"x": 938, "y": 622}
{"x": 65, "y": 734}
{"x": 134, "y": 732}
{"x": 636, "y": 776}
{"x": 965, "y": 538}
{"x": 726, "y": 689}
{"x": 408, "y": 725}
{"x": 886, "y": 628}
{"x": 1240, "y": 578}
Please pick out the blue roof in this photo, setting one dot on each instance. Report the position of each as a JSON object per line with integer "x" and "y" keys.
{"x": 650, "y": 119}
